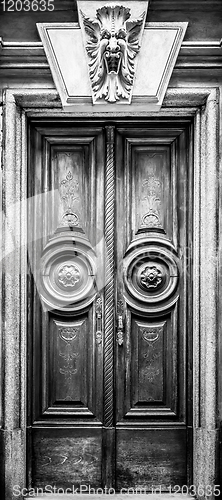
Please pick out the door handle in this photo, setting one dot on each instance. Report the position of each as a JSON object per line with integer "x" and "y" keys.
{"x": 99, "y": 321}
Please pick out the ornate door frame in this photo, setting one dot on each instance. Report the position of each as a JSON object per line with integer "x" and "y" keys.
{"x": 202, "y": 105}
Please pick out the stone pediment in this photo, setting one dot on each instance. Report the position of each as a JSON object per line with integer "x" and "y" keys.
{"x": 112, "y": 58}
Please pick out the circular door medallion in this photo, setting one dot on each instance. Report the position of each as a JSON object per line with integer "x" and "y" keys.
{"x": 151, "y": 275}
{"x": 68, "y": 273}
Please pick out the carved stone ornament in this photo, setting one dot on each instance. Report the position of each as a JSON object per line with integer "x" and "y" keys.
{"x": 112, "y": 46}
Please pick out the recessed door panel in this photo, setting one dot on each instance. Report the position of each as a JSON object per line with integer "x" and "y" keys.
{"x": 70, "y": 367}
{"x": 145, "y": 461}
{"x": 154, "y": 380}
{"x": 66, "y": 457}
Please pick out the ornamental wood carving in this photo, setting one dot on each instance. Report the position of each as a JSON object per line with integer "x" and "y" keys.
{"x": 112, "y": 46}
{"x": 69, "y": 192}
{"x": 151, "y": 197}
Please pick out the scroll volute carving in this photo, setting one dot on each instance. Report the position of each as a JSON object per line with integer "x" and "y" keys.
{"x": 113, "y": 42}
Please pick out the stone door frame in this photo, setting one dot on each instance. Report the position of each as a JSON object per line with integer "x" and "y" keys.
{"x": 202, "y": 105}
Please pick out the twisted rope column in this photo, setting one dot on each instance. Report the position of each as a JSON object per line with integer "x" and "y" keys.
{"x": 109, "y": 270}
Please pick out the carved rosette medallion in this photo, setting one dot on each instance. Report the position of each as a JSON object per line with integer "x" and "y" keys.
{"x": 151, "y": 277}
{"x": 113, "y": 42}
{"x": 151, "y": 274}
{"x": 68, "y": 276}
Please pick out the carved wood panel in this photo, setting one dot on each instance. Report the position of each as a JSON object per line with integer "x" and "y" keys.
{"x": 151, "y": 458}
{"x": 70, "y": 367}
{"x": 150, "y": 362}
{"x": 67, "y": 457}
{"x": 153, "y": 380}
{"x": 150, "y": 185}
{"x": 70, "y": 178}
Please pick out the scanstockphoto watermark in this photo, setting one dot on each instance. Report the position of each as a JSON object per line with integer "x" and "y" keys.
{"x": 141, "y": 493}
{"x": 84, "y": 491}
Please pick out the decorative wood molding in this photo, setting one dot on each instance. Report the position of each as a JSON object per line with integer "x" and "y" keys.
{"x": 109, "y": 287}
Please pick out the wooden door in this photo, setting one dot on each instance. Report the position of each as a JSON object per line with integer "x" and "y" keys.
{"x": 109, "y": 304}
{"x": 153, "y": 225}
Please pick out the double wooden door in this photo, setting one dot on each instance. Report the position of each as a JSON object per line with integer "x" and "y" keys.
{"x": 109, "y": 301}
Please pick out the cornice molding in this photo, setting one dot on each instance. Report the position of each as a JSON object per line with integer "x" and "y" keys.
{"x": 178, "y": 5}
{"x": 188, "y": 5}
{"x": 205, "y": 44}
{"x": 28, "y": 56}
{"x": 35, "y": 100}
{"x": 191, "y": 44}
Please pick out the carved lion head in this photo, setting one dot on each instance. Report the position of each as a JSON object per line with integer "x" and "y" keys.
{"x": 112, "y": 45}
